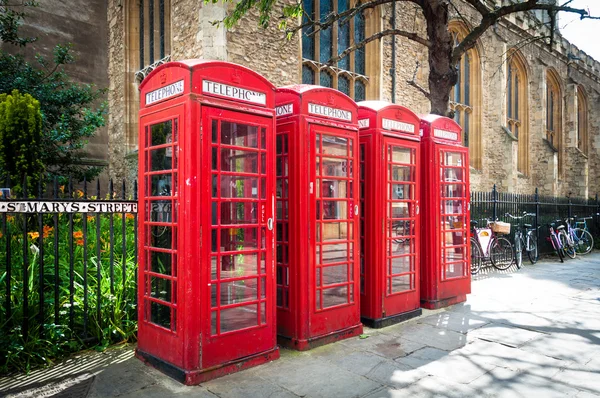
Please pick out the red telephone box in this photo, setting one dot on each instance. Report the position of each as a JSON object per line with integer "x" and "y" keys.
{"x": 206, "y": 157}
{"x": 390, "y": 193}
{"x": 317, "y": 216}
{"x": 445, "y": 268}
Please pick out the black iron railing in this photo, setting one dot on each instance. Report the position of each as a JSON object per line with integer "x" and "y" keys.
{"x": 494, "y": 205}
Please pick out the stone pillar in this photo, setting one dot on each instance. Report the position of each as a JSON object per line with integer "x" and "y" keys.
{"x": 213, "y": 37}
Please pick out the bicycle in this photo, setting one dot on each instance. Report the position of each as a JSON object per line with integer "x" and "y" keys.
{"x": 527, "y": 242}
{"x": 487, "y": 244}
{"x": 584, "y": 241}
{"x": 553, "y": 238}
{"x": 566, "y": 240}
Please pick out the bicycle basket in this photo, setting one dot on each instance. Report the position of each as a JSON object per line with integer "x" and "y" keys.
{"x": 501, "y": 228}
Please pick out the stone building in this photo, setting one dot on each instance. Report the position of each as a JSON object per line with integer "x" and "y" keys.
{"x": 529, "y": 112}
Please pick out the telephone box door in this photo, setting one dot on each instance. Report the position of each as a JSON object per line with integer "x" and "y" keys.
{"x": 238, "y": 211}
{"x": 454, "y": 202}
{"x": 400, "y": 290}
{"x": 335, "y": 208}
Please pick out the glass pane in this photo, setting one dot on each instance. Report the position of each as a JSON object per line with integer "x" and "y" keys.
{"x": 400, "y": 155}
{"x": 359, "y": 87}
{"x": 335, "y": 167}
{"x": 160, "y": 262}
{"x": 453, "y": 190}
{"x": 160, "y": 288}
{"x": 161, "y": 133}
{"x": 239, "y": 318}
{"x": 399, "y": 210}
{"x": 343, "y": 38}
{"x": 335, "y": 253}
{"x": 401, "y": 228}
{"x": 452, "y": 175}
{"x": 161, "y": 211}
{"x": 335, "y": 296}
{"x": 308, "y": 74}
{"x": 335, "y": 231}
{"x": 238, "y": 265}
{"x": 335, "y": 274}
{"x": 162, "y": 159}
{"x": 453, "y": 159}
{"x": 239, "y": 291}
{"x": 402, "y": 191}
{"x": 452, "y": 206}
{"x": 161, "y": 185}
{"x": 160, "y": 314}
{"x": 335, "y": 210}
{"x": 239, "y": 161}
{"x": 400, "y": 265}
{"x": 401, "y": 173}
{"x": 325, "y": 36}
{"x": 234, "y": 239}
{"x": 161, "y": 237}
{"x": 454, "y": 270}
{"x": 239, "y": 213}
{"x": 213, "y": 322}
{"x": 308, "y": 42}
{"x": 359, "y": 35}
{"x": 239, "y": 187}
{"x": 400, "y": 283}
{"x": 344, "y": 84}
{"x": 239, "y": 134}
{"x": 326, "y": 79}
{"x": 336, "y": 146}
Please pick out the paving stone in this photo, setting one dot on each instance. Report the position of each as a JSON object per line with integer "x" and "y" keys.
{"x": 395, "y": 374}
{"x": 565, "y": 346}
{"x": 584, "y": 378}
{"x": 242, "y": 384}
{"x": 422, "y": 357}
{"x": 385, "y": 345}
{"x": 506, "y": 383}
{"x": 434, "y": 387}
{"x": 504, "y": 334}
{"x": 431, "y": 336}
{"x": 454, "y": 321}
{"x": 359, "y": 363}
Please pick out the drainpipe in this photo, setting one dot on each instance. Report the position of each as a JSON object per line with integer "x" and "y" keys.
{"x": 393, "y": 69}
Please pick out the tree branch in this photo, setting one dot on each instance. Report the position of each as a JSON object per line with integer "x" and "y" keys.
{"x": 492, "y": 16}
{"x": 388, "y": 32}
{"x": 479, "y": 6}
{"x": 416, "y": 85}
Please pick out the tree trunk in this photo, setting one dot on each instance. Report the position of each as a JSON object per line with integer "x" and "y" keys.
{"x": 442, "y": 74}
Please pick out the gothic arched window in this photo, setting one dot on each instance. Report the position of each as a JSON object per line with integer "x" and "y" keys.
{"x": 517, "y": 111}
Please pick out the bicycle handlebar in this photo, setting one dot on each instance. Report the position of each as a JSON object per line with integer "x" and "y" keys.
{"x": 525, "y": 214}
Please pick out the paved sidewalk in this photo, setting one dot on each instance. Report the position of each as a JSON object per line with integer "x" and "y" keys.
{"x": 528, "y": 333}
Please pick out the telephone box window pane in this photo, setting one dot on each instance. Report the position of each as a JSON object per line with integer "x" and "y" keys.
{"x": 401, "y": 173}
{"x": 279, "y": 297}
{"x": 334, "y": 167}
{"x": 335, "y": 274}
{"x": 239, "y": 318}
{"x": 453, "y": 159}
{"x": 160, "y": 262}
{"x": 161, "y": 237}
{"x": 160, "y": 315}
{"x": 452, "y": 175}
{"x": 453, "y": 254}
{"x": 335, "y": 296}
{"x": 160, "y": 289}
{"x": 402, "y": 191}
{"x": 335, "y": 210}
{"x": 402, "y": 228}
{"x": 239, "y": 187}
{"x": 161, "y": 133}
{"x": 213, "y": 322}
{"x": 400, "y": 265}
{"x": 308, "y": 74}
{"x": 452, "y": 206}
{"x": 400, "y": 155}
{"x": 263, "y": 312}
{"x": 454, "y": 270}
{"x": 233, "y": 239}
{"x": 399, "y": 210}
{"x": 238, "y": 265}
{"x": 453, "y": 190}
{"x": 335, "y": 253}
{"x": 161, "y": 211}
{"x": 400, "y": 283}
{"x": 213, "y": 268}
{"x": 161, "y": 159}
{"x": 161, "y": 185}
{"x": 400, "y": 246}
{"x": 239, "y": 291}
{"x": 239, "y": 213}
{"x": 334, "y": 231}
{"x": 234, "y": 160}
{"x": 239, "y": 134}
{"x": 335, "y": 146}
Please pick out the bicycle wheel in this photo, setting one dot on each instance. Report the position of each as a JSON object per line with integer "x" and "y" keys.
{"x": 532, "y": 250}
{"x": 584, "y": 242}
{"x": 501, "y": 253}
{"x": 568, "y": 248}
{"x": 556, "y": 245}
{"x": 476, "y": 257}
{"x": 519, "y": 247}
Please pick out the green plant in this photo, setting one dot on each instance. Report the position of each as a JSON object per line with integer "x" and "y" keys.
{"x": 20, "y": 138}
{"x": 111, "y": 291}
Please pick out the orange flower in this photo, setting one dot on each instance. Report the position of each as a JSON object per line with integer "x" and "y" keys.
{"x": 47, "y": 230}
{"x": 129, "y": 216}
{"x": 10, "y": 218}
{"x": 62, "y": 189}
{"x": 78, "y": 234}
{"x": 91, "y": 218}
{"x": 34, "y": 235}
{"x": 79, "y": 193}
{"x": 79, "y": 242}
{"x": 1, "y": 235}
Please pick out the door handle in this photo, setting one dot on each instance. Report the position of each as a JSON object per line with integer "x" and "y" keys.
{"x": 270, "y": 223}
{"x": 356, "y": 210}
{"x": 417, "y": 209}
